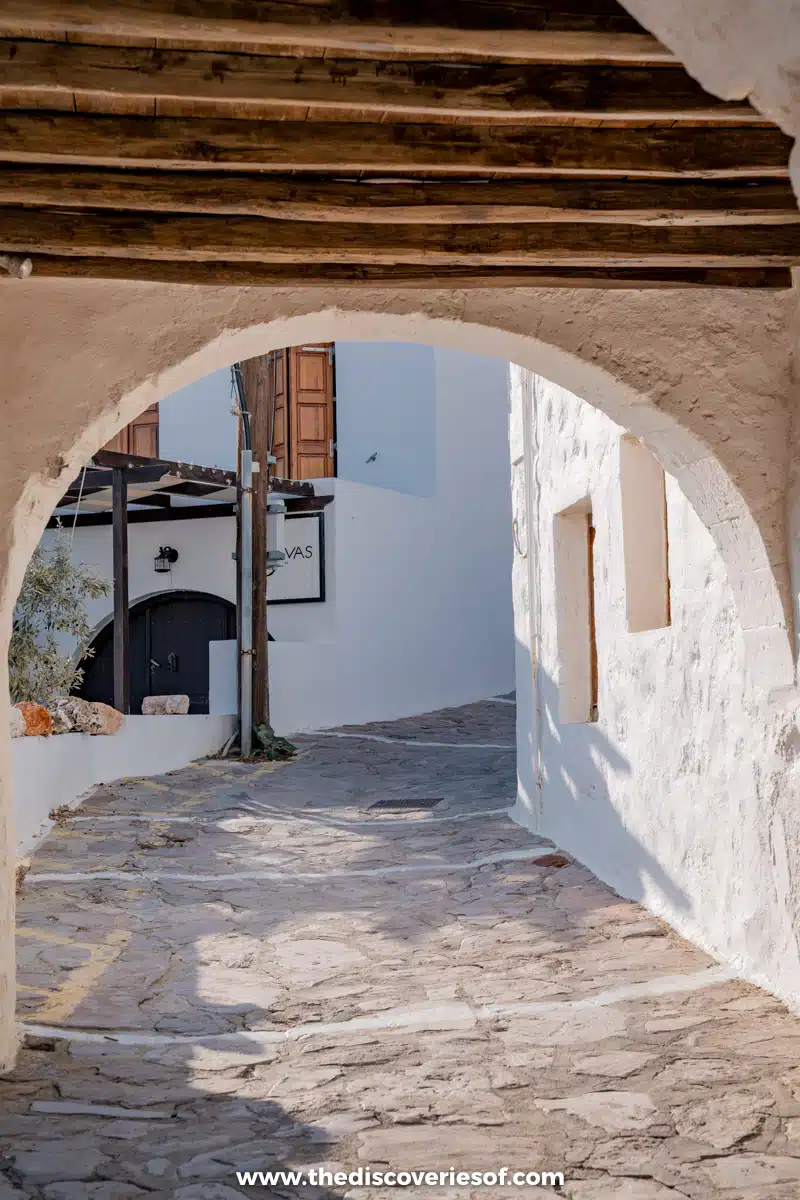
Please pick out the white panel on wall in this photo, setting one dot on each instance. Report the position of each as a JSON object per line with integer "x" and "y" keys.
{"x": 301, "y": 577}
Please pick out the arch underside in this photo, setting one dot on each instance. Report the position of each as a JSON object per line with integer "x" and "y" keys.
{"x": 704, "y": 380}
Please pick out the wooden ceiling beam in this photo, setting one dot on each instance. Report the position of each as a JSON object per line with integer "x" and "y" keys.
{"x": 187, "y": 237}
{"x": 224, "y": 274}
{"x": 203, "y": 143}
{"x": 643, "y": 201}
{"x": 35, "y": 71}
{"x": 515, "y": 30}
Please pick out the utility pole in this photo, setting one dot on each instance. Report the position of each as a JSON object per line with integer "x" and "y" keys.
{"x": 122, "y": 678}
{"x": 257, "y": 380}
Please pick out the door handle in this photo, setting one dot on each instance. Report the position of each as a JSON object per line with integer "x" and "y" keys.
{"x": 154, "y": 664}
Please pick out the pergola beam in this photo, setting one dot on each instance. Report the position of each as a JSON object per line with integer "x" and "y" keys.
{"x": 146, "y": 470}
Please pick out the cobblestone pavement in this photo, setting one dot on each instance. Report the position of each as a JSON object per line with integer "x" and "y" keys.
{"x": 250, "y": 967}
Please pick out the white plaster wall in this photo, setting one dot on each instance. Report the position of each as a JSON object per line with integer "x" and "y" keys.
{"x": 423, "y": 596}
{"x": 422, "y": 614}
{"x": 204, "y": 564}
{"x": 197, "y": 424}
{"x": 684, "y": 794}
{"x": 386, "y": 415}
{"x": 51, "y": 771}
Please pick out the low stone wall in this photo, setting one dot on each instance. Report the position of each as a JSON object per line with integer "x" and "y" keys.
{"x": 52, "y": 771}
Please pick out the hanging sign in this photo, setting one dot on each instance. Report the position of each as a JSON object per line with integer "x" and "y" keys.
{"x": 301, "y": 578}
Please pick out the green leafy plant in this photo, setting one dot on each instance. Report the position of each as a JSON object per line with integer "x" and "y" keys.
{"x": 271, "y": 745}
{"x": 51, "y": 611}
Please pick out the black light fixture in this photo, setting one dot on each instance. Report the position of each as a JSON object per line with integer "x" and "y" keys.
{"x": 163, "y": 561}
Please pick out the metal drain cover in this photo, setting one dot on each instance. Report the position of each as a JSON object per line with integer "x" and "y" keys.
{"x": 407, "y": 805}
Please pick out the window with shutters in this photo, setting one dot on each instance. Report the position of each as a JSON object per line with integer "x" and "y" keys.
{"x": 303, "y": 433}
{"x": 140, "y": 437}
{"x": 573, "y": 543}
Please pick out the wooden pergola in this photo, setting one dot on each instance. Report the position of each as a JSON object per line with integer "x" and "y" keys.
{"x": 103, "y": 493}
{"x": 382, "y": 142}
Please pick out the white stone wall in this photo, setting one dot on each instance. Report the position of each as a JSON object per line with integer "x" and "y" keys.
{"x": 53, "y": 771}
{"x": 683, "y": 794}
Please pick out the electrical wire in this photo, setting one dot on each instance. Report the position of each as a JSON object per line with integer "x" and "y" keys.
{"x": 244, "y": 412}
{"x": 77, "y": 509}
{"x": 273, "y": 357}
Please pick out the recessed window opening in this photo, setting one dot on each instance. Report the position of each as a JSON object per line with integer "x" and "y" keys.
{"x": 644, "y": 535}
{"x": 577, "y": 637}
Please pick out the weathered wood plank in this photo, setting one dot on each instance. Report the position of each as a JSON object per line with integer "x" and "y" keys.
{"x": 492, "y": 30}
{"x": 491, "y": 201}
{"x": 253, "y": 239}
{"x": 404, "y": 89}
{"x": 223, "y": 274}
{"x": 396, "y": 148}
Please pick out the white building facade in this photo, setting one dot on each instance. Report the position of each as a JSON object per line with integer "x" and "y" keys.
{"x": 408, "y": 606}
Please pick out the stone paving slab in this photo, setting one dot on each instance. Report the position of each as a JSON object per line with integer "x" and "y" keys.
{"x": 278, "y": 976}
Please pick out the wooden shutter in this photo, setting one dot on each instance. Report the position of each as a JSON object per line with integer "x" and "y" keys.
{"x": 280, "y": 427}
{"x": 311, "y": 420}
{"x": 144, "y": 433}
{"x": 119, "y": 443}
{"x": 140, "y": 437}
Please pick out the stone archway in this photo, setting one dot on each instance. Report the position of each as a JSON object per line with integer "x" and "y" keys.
{"x": 703, "y": 378}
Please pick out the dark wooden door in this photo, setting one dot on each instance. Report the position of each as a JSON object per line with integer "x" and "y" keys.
{"x": 169, "y": 650}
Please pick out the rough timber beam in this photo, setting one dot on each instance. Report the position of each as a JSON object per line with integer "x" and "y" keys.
{"x": 563, "y": 31}
{"x": 221, "y": 274}
{"x": 644, "y": 201}
{"x": 34, "y": 71}
{"x": 190, "y": 238}
{"x": 205, "y": 143}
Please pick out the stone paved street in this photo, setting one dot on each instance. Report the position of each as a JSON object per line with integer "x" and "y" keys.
{"x": 250, "y": 967}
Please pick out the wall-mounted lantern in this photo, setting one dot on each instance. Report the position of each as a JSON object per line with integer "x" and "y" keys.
{"x": 162, "y": 563}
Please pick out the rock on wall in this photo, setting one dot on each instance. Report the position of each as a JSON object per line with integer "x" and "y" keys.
{"x": 683, "y": 794}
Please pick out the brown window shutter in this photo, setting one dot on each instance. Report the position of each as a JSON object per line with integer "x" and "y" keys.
{"x": 280, "y": 428}
{"x": 144, "y": 433}
{"x": 311, "y": 419}
{"x": 140, "y": 437}
{"x": 119, "y": 443}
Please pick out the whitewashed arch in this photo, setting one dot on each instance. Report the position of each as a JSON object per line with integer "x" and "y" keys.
{"x": 705, "y": 378}
{"x": 758, "y": 587}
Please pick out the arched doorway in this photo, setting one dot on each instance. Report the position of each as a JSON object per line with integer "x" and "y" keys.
{"x": 696, "y": 401}
{"x": 170, "y": 633}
